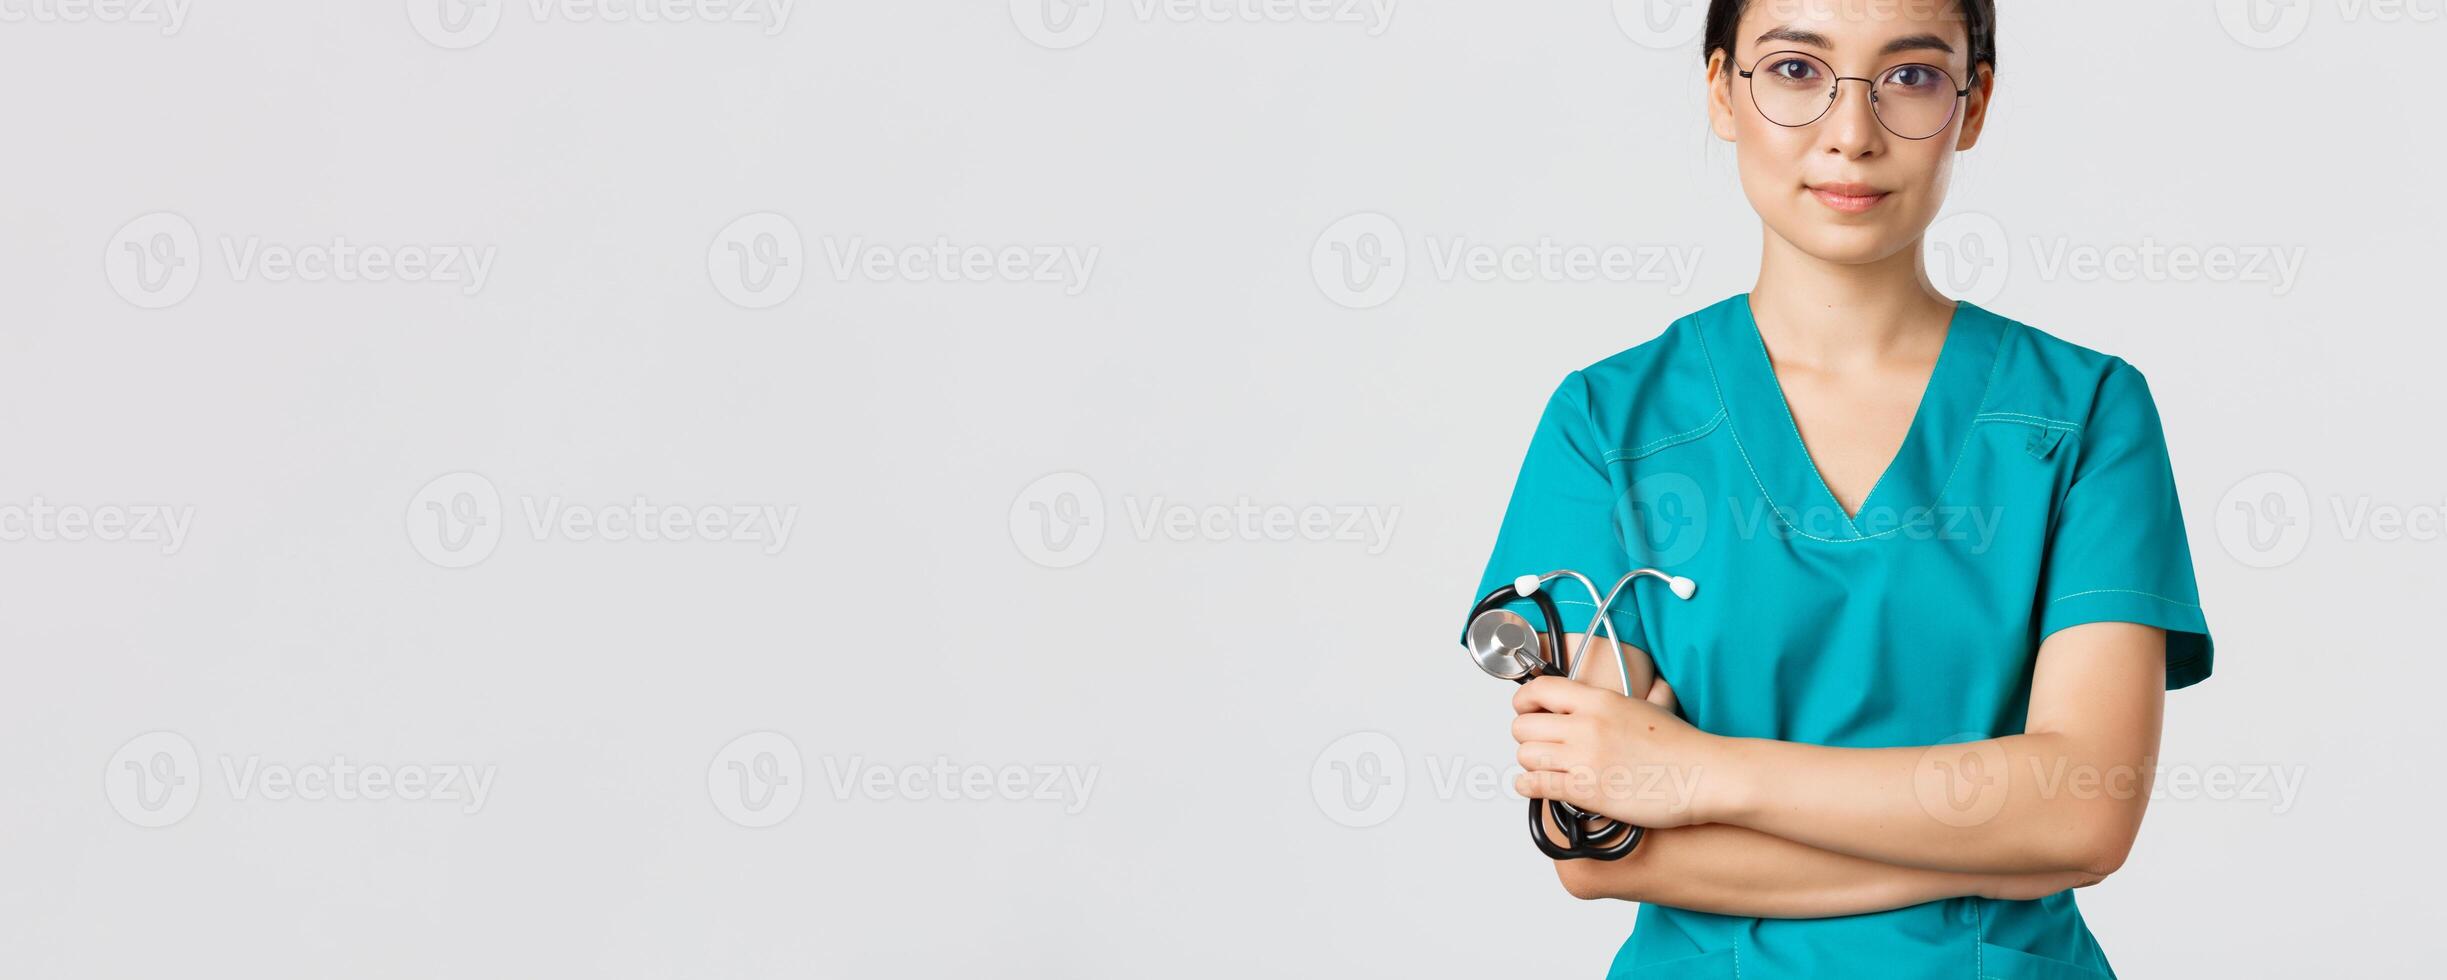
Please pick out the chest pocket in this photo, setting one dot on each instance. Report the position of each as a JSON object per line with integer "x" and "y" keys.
{"x": 2032, "y": 452}
{"x": 2046, "y": 432}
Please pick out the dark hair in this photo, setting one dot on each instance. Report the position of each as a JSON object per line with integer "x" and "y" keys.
{"x": 1979, "y": 21}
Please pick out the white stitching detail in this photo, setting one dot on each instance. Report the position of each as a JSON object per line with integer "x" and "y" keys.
{"x": 1962, "y": 450}
{"x": 2040, "y": 420}
{"x": 1979, "y": 935}
{"x": 1755, "y": 479}
{"x": 1795, "y": 424}
{"x": 1669, "y": 442}
{"x": 1959, "y": 450}
{"x": 2151, "y": 595}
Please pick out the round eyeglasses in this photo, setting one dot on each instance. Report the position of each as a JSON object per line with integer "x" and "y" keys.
{"x": 1912, "y": 101}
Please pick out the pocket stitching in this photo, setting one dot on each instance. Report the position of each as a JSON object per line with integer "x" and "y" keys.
{"x": 2046, "y": 966}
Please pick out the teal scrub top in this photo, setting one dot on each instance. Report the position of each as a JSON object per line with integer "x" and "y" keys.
{"x": 2032, "y": 493}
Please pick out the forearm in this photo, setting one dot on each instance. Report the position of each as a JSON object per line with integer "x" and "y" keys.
{"x": 1731, "y": 870}
{"x": 2033, "y": 803}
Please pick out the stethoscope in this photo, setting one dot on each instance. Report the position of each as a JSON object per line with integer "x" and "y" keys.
{"x": 1505, "y": 645}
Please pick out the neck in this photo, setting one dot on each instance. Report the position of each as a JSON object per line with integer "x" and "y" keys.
{"x": 1836, "y": 316}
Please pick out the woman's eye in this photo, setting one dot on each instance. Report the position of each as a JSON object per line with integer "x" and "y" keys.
{"x": 1914, "y": 77}
{"x": 1794, "y": 70}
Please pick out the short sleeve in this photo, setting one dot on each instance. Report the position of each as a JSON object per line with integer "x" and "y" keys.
{"x": 1562, "y": 516}
{"x": 2117, "y": 552}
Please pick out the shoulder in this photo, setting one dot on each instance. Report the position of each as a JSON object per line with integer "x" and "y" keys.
{"x": 2045, "y": 380}
{"x": 1654, "y": 395}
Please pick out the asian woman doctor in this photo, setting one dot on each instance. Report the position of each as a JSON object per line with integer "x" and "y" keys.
{"x": 1943, "y": 579}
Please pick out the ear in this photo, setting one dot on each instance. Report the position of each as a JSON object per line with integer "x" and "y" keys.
{"x": 1975, "y": 111}
{"x": 1720, "y": 94}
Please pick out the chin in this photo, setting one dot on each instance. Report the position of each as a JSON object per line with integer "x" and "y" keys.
{"x": 1846, "y": 244}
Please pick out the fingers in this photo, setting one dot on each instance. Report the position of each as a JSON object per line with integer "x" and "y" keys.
{"x": 1547, "y": 785}
{"x": 1541, "y": 727}
{"x": 1559, "y": 695}
{"x": 1544, "y": 756}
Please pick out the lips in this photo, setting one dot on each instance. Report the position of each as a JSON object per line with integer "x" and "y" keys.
{"x": 1848, "y": 197}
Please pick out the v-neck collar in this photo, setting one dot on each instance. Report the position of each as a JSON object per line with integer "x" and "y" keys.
{"x": 1769, "y": 440}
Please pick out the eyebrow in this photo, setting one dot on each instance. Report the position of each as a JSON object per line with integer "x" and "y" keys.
{"x": 1915, "y": 42}
{"x": 1797, "y": 36}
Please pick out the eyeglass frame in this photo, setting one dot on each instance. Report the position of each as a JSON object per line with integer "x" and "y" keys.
{"x": 1835, "y": 91}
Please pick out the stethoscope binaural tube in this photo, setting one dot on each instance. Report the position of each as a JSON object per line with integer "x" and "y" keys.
{"x": 1505, "y": 645}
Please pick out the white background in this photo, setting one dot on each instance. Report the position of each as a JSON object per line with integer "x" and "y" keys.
{"x": 618, "y": 349}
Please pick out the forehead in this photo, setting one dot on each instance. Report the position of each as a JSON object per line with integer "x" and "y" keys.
{"x": 1855, "y": 25}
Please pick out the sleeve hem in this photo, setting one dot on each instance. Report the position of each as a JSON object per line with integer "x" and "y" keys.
{"x": 2189, "y": 648}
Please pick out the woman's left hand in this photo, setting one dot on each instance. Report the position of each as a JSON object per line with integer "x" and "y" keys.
{"x": 1629, "y": 759}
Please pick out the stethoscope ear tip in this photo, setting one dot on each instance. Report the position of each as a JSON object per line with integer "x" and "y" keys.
{"x": 1683, "y": 588}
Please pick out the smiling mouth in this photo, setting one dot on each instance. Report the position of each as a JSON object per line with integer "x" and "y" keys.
{"x": 1848, "y": 198}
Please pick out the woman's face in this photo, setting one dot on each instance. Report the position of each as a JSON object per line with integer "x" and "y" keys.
{"x": 1846, "y": 188}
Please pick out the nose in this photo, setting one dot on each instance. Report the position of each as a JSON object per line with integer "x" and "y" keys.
{"x": 1851, "y": 128}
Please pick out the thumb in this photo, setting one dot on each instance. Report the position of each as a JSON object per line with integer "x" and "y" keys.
{"x": 1661, "y": 694}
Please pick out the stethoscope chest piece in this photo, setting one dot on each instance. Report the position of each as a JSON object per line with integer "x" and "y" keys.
{"x": 1505, "y": 645}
